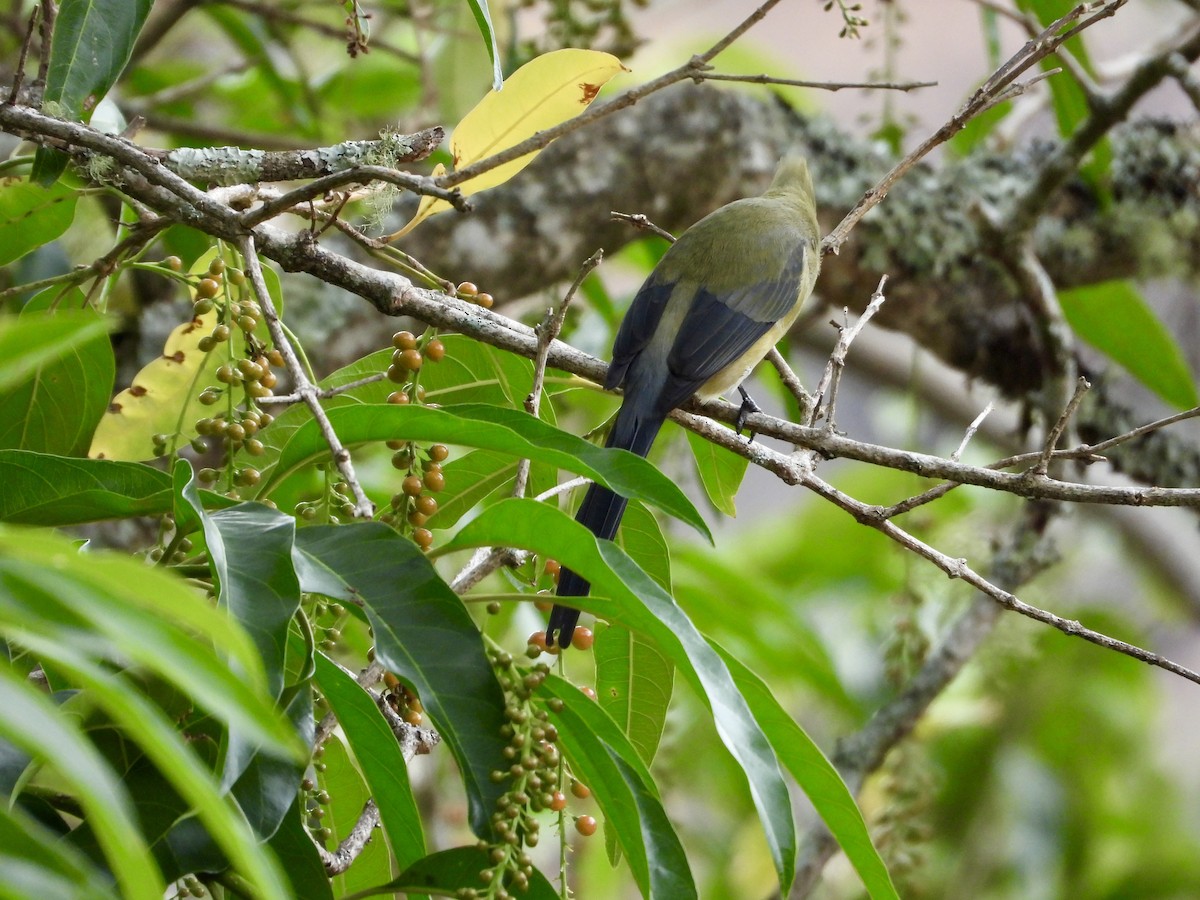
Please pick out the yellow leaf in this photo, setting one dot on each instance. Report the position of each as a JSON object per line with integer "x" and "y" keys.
{"x": 544, "y": 92}
{"x": 164, "y": 395}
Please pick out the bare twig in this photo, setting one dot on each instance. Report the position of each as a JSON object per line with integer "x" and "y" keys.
{"x": 970, "y": 433}
{"x": 957, "y": 568}
{"x": 904, "y": 86}
{"x": 792, "y": 382}
{"x": 696, "y": 65}
{"x": 1002, "y": 80}
{"x": 1082, "y": 386}
{"x": 827, "y": 387}
{"x": 1106, "y": 112}
{"x": 547, "y": 331}
{"x": 19, "y": 74}
{"x": 353, "y": 844}
{"x": 308, "y": 392}
{"x": 642, "y": 223}
{"x": 322, "y": 393}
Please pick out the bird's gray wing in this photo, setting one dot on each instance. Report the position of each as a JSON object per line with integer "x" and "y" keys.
{"x": 720, "y": 327}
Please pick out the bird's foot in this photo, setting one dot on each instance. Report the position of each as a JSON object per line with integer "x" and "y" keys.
{"x": 748, "y": 406}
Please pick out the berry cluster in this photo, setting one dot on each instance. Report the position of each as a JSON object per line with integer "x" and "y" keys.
{"x": 223, "y": 289}
{"x": 315, "y": 800}
{"x": 402, "y": 700}
{"x": 335, "y": 504}
{"x": 414, "y": 503}
{"x": 533, "y": 782}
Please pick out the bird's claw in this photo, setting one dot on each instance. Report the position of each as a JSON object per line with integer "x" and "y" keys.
{"x": 748, "y": 406}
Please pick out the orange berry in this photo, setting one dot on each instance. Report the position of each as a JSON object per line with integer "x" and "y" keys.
{"x": 439, "y": 452}
{"x": 435, "y": 480}
{"x": 580, "y": 790}
{"x": 396, "y": 374}
{"x": 588, "y": 692}
{"x": 485, "y": 300}
{"x": 397, "y": 397}
{"x": 585, "y": 825}
{"x": 426, "y": 505}
{"x": 435, "y": 351}
{"x": 404, "y": 340}
{"x": 583, "y": 639}
{"x": 468, "y": 289}
{"x": 423, "y": 538}
{"x": 411, "y": 486}
{"x": 558, "y": 801}
{"x": 410, "y": 359}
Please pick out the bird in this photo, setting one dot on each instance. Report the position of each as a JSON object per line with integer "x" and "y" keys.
{"x": 719, "y": 299}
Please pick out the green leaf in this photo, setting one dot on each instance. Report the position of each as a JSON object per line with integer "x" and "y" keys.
{"x": 818, "y": 779}
{"x": 1113, "y": 318}
{"x": 623, "y": 593}
{"x": 471, "y": 372}
{"x": 146, "y": 724}
{"x": 103, "y": 605}
{"x": 602, "y": 757}
{"x": 40, "y": 489}
{"x": 450, "y": 870}
{"x": 479, "y": 9}
{"x": 30, "y": 720}
{"x": 57, "y": 409}
{"x": 37, "y": 863}
{"x": 348, "y": 794}
{"x": 633, "y": 684}
{"x": 769, "y": 626}
{"x": 297, "y": 854}
{"x": 491, "y": 428}
{"x": 32, "y": 215}
{"x": 91, "y": 44}
{"x": 30, "y": 342}
{"x": 471, "y": 479}
{"x": 250, "y": 553}
{"x": 721, "y": 472}
{"x": 377, "y": 750}
{"x": 424, "y": 635}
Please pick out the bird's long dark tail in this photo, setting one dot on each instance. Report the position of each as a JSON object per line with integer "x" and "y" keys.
{"x": 601, "y": 513}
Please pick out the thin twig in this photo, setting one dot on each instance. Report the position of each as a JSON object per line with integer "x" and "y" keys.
{"x": 641, "y": 222}
{"x": 1001, "y": 80}
{"x": 19, "y": 74}
{"x": 970, "y": 433}
{"x": 322, "y": 393}
{"x": 904, "y": 86}
{"x": 308, "y": 392}
{"x": 696, "y": 65}
{"x": 1024, "y": 555}
{"x": 957, "y": 568}
{"x": 1082, "y": 386}
{"x": 792, "y": 382}
{"x": 828, "y": 386}
{"x": 547, "y": 331}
